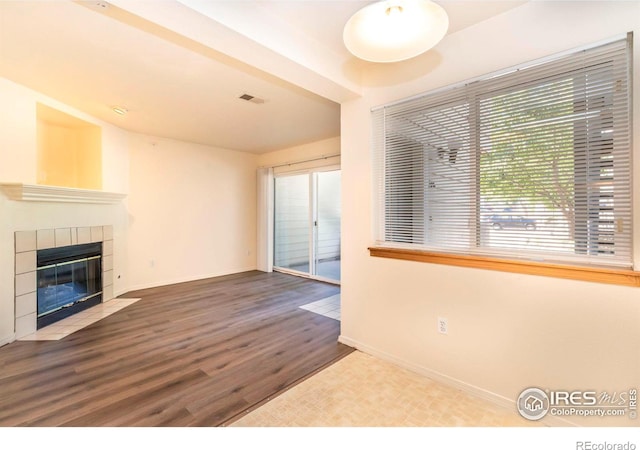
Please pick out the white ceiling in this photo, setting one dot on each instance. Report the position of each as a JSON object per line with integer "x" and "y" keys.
{"x": 179, "y": 66}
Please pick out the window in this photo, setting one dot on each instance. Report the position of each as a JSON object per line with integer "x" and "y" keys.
{"x": 531, "y": 164}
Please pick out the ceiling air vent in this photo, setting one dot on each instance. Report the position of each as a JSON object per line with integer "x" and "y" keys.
{"x": 251, "y": 98}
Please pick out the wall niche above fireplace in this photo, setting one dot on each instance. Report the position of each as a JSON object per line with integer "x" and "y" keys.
{"x": 69, "y": 150}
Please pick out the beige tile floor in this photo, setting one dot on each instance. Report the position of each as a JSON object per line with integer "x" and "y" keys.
{"x": 78, "y": 321}
{"x": 363, "y": 391}
{"x": 328, "y": 307}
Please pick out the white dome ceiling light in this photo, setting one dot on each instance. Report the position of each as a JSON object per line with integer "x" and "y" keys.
{"x": 395, "y": 30}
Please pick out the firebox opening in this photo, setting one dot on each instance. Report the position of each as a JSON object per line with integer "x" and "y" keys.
{"x": 69, "y": 281}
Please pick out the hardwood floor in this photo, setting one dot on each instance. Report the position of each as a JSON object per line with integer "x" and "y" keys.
{"x": 193, "y": 354}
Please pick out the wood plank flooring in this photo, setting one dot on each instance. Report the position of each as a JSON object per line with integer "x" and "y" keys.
{"x": 193, "y": 354}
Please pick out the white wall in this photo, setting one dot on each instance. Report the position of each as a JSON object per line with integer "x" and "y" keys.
{"x": 507, "y": 332}
{"x": 18, "y": 164}
{"x": 192, "y": 211}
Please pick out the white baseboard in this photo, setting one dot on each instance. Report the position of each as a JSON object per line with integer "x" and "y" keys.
{"x": 154, "y": 284}
{"x": 119, "y": 293}
{"x": 476, "y": 391}
{"x": 7, "y": 339}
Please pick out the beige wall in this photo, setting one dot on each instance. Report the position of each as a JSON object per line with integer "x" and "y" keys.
{"x": 192, "y": 211}
{"x": 507, "y": 332}
{"x": 18, "y": 133}
{"x": 69, "y": 156}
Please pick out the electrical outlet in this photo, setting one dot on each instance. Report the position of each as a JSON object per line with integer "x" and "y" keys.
{"x": 443, "y": 326}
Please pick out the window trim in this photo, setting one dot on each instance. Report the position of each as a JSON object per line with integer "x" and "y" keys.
{"x": 622, "y": 277}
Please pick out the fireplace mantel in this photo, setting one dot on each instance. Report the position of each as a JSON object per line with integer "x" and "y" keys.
{"x": 41, "y": 193}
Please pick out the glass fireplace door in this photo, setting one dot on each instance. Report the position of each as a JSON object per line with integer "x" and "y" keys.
{"x": 62, "y": 285}
{"x": 67, "y": 283}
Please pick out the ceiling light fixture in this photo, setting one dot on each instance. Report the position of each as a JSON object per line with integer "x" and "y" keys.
{"x": 395, "y": 30}
{"x": 120, "y": 110}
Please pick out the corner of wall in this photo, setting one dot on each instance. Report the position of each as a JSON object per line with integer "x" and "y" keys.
{"x": 7, "y": 339}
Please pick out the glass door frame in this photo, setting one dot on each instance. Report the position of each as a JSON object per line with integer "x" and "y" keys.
{"x": 313, "y": 222}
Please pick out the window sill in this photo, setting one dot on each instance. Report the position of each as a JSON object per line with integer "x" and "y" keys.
{"x": 593, "y": 274}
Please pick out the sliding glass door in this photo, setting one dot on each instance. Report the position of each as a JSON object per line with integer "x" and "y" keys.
{"x": 307, "y": 224}
{"x": 327, "y": 225}
{"x": 292, "y": 226}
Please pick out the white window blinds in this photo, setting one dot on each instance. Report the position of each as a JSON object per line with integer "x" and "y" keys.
{"x": 533, "y": 164}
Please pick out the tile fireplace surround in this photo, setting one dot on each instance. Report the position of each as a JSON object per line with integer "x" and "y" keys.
{"x": 27, "y": 243}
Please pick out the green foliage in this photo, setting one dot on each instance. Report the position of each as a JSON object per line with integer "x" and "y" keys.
{"x": 527, "y": 155}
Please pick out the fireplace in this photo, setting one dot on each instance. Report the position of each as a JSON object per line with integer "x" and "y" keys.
{"x": 69, "y": 280}
{"x": 81, "y": 267}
